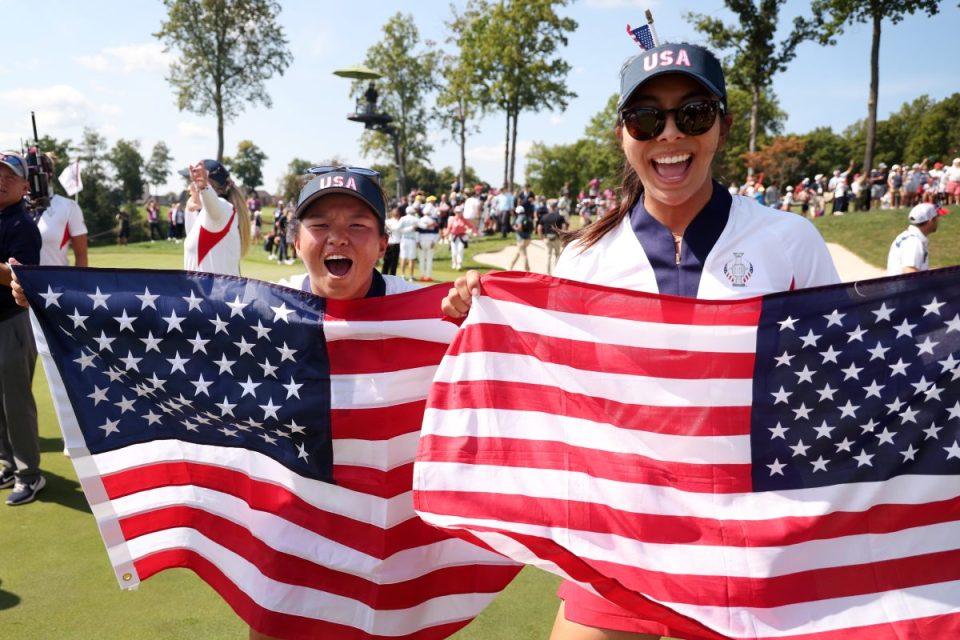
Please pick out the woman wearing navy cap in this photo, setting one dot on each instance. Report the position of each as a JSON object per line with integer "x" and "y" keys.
{"x": 220, "y": 235}
{"x": 677, "y": 231}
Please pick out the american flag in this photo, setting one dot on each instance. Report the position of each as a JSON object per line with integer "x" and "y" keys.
{"x": 777, "y": 467}
{"x": 264, "y": 438}
{"x": 643, "y": 36}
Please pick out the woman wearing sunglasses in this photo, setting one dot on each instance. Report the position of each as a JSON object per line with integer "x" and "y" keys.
{"x": 677, "y": 231}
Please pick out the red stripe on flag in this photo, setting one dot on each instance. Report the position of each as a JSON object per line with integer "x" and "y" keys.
{"x": 550, "y": 399}
{"x": 264, "y": 496}
{"x": 380, "y": 356}
{"x": 608, "y": 358}
{"x": 294, "y": 570}
{"x": 419, "y": 304}
{"x": 377, "y": 423}
{"x": 273, "y": 623}
{"x": 690, "y": 530}
{"x": 557, "y": 294}
{"x": 622, "y": 467}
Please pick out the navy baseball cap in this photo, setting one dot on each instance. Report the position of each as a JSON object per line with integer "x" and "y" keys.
{"x": 352, "y": 181}
{"x": 215, "y": 170}
{"x": 15, "y": 161}
{"x": 689, "y": 59}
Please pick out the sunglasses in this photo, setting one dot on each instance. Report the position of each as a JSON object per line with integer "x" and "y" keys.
{"x": 693, "y": 119}
{"x": 329, "y": 168}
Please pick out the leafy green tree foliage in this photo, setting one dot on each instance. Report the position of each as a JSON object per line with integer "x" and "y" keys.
{"x": 247, "y": 165}
{"x": 833, "y": 15}
{"x": 730, "y": 160}
{"x": 158, "y": 166}
{"x": 513, "y": 54}
{"x": 408, "y": 80}
{"x": 228, "y": 50}
{"x": 293, "y": 180}
{"x": 938, "y": 134}
{"x": 423, "y": 177}
{"x": 127, "y": 165}
{"x": 822, "y": 152}
{"x": 596, "y": 155}
{"x": 97, "y": 199}
{"x": 756, "y": 58}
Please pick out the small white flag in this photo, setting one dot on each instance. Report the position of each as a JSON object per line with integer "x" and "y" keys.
{"x": 70, "y": 179}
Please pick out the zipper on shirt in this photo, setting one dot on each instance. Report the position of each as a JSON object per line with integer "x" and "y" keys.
{"x": 677, "y": 245}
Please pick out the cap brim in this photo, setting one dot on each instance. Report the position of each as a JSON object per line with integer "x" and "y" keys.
{"x": 667, "y": 70}
{"x": 313, "y": 197}
{"x": 17, "y": 170}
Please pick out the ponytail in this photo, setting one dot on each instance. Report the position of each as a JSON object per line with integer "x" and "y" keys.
{"x": 233, "y": 194}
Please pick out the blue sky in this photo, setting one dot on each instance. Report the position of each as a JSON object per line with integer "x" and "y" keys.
{"x": 98, "y": 65}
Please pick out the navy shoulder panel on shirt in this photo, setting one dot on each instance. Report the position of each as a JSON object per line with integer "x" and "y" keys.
{"x": 699, "y": 239}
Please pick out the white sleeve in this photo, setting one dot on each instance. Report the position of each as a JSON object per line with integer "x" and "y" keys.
{"x": 218, "y": 209}
{"x": 812, "y": 264}
{"x": 75, "y": 224}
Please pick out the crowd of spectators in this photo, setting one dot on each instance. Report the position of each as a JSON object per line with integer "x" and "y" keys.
{"x": 883, "y": 187}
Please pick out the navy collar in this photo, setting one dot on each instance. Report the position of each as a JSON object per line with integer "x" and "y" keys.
{"x": 378, "y": 286}
{"x": 699, "y": 239}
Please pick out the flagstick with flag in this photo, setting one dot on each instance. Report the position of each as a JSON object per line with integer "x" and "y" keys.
{"x": 70, "y": 178}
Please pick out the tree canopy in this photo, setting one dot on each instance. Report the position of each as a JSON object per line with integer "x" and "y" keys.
{"x": 247, "y": 164}
{"x": 227, "y": 49}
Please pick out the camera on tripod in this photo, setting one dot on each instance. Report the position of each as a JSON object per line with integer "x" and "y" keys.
{"x": 39, "y": 174}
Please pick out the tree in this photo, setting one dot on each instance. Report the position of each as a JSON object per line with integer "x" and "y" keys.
{"x": 513, "y": 56}
{"x": 938, "y": 135}
{"x": 293, "y": 180}
{"x": 408, "y": 78}
{"x": 833, "y": 15}
{"x": 228, "y": 50}
{"x": 780, "y": 160}
{"x": 596, "y": 155}
{"x": 756, "y": 57}
{"x": 729, "y": 161}
{"x": 247, "y": 165}
{"x": 128, "y": 168}
{"x": 158, "y": 167}
{"x": 97, "y": 199}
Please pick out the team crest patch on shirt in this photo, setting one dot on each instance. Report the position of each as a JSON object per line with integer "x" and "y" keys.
{"x": 738, "y": 271}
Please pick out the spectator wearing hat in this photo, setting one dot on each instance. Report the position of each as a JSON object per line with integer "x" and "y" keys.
{"x": 523, "y": 226}
{"x": 62, "y": 228}
{"x": 392, "y": 256}
{"x": 878, "y": 185}
{"x": 459, "y": 230}
{"x": 20, "y": 243}
{"x": 895, "y": 185}
{"x": 220, "y": 234}
{"x": 909, "y": 251}
{"x": 428, "y": 231}
{"x": 549, "y": 227}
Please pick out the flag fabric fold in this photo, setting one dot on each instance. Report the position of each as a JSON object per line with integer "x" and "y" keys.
{"x": 70, "y": 178}
{"x": 264, "y": 438}
{"x": 776, "y": 467}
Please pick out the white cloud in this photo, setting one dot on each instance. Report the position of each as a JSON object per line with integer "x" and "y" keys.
{"x": 149, "y": 57}
{"x": 556, "y": 119}
{"x": 194, "y": 130}
{"x": 9, "y": 141}
{"x": 494, "y": 152}
{"x": 59, "y": 106}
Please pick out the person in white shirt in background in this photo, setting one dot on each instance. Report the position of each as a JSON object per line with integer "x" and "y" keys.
{"x": 219, "y": 236}
{"x": 909, "y": 251}
{"x": 392, "y": 256}
{"x": 408, "y": 241}
{"x": 61, "y": 227}
{"x": 428, "y": 230}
